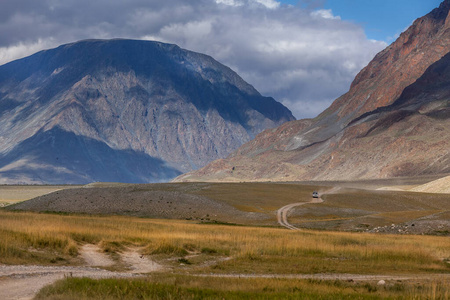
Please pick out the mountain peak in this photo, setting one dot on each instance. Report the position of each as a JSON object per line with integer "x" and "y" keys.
{"x": 442, "y": 11}
{"x": 123, "y": 110}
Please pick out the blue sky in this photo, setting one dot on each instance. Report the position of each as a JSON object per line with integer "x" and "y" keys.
{"x": 382, "y": 19}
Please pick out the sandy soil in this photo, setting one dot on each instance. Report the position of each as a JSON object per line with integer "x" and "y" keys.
{"x": 94, "y": 258}
{"x": 138, "y": 263}
{"x": 438, "y": 186}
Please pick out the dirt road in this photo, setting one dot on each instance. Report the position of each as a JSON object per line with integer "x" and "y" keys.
{"x": 23, "y": 282}
{"x": 282, "y": 213}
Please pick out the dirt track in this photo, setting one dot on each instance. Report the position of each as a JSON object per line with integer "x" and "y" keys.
{"x": 283, "y": 212}
{"x": 23, "y": 282}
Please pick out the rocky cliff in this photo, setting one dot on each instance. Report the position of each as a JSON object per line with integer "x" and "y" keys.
{"x": 123, "y": 110}
{"x": 394, "y": 121}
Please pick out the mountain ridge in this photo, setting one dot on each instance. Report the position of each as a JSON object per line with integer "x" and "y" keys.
{"x": 175, "y": 106}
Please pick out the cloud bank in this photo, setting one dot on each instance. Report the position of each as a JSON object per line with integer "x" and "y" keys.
{"x": 302, "y": 57}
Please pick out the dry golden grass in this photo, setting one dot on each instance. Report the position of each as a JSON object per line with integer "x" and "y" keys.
{"x": 352, "y": 210}
{"x": 259, "y": 197}
{"x": 252, "y": 250}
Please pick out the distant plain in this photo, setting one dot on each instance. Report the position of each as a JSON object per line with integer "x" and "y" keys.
{"x": 348, "y": 206}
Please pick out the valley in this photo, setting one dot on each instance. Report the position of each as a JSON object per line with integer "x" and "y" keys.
{"x": 348, "y": 205}
{"x": 136, "y": 234}
{"x": 136, "y": 169}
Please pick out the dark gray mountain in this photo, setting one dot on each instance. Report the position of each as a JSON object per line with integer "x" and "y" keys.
{"x": 123, "y": 110}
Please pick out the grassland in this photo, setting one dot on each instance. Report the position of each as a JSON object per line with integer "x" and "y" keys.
{"x": 258, "y": 197}
{"x": 191, "y": 249}
{"x": 252, "y": 250}
{"x": 32, "y": 238}
{"x": 361, "y": 210}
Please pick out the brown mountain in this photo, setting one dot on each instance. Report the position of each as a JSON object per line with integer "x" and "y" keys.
{"x": 394, "y": 121}
{"x": 123, "y": 110}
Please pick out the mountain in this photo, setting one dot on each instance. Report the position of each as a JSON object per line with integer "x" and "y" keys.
{"x": 393, "y": 122}
{"x": 123, "y": 110}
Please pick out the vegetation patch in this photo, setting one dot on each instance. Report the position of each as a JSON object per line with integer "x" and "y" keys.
{"x": 112, "y": 246}
{"x": 188, "y": 287}
{"x": 165, "y": 248}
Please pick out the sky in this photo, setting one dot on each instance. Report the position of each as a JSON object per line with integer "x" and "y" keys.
{"x": 382, "y": 20}
{"x": 303, "y": 53}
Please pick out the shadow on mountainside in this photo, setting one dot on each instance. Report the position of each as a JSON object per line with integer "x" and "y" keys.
{"x": 60, "y": 157}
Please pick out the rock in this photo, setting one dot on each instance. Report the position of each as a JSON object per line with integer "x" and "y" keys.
{"x": 381, "y": 282}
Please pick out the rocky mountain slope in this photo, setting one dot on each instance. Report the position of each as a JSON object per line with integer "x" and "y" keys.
{"x": 123, "y": 110}
{"x": 394, "y": 121}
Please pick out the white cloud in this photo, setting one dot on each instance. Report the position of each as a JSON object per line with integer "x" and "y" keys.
{"x": 301, "y": 57}
{"x": 325, "y": 14}
{"x": 272, "y": 4}
{"x": 230, "y": 2}
{"x": 269, "y": 3}
{"x": 22, "y": 49}
{"x": 191, "y": 31}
